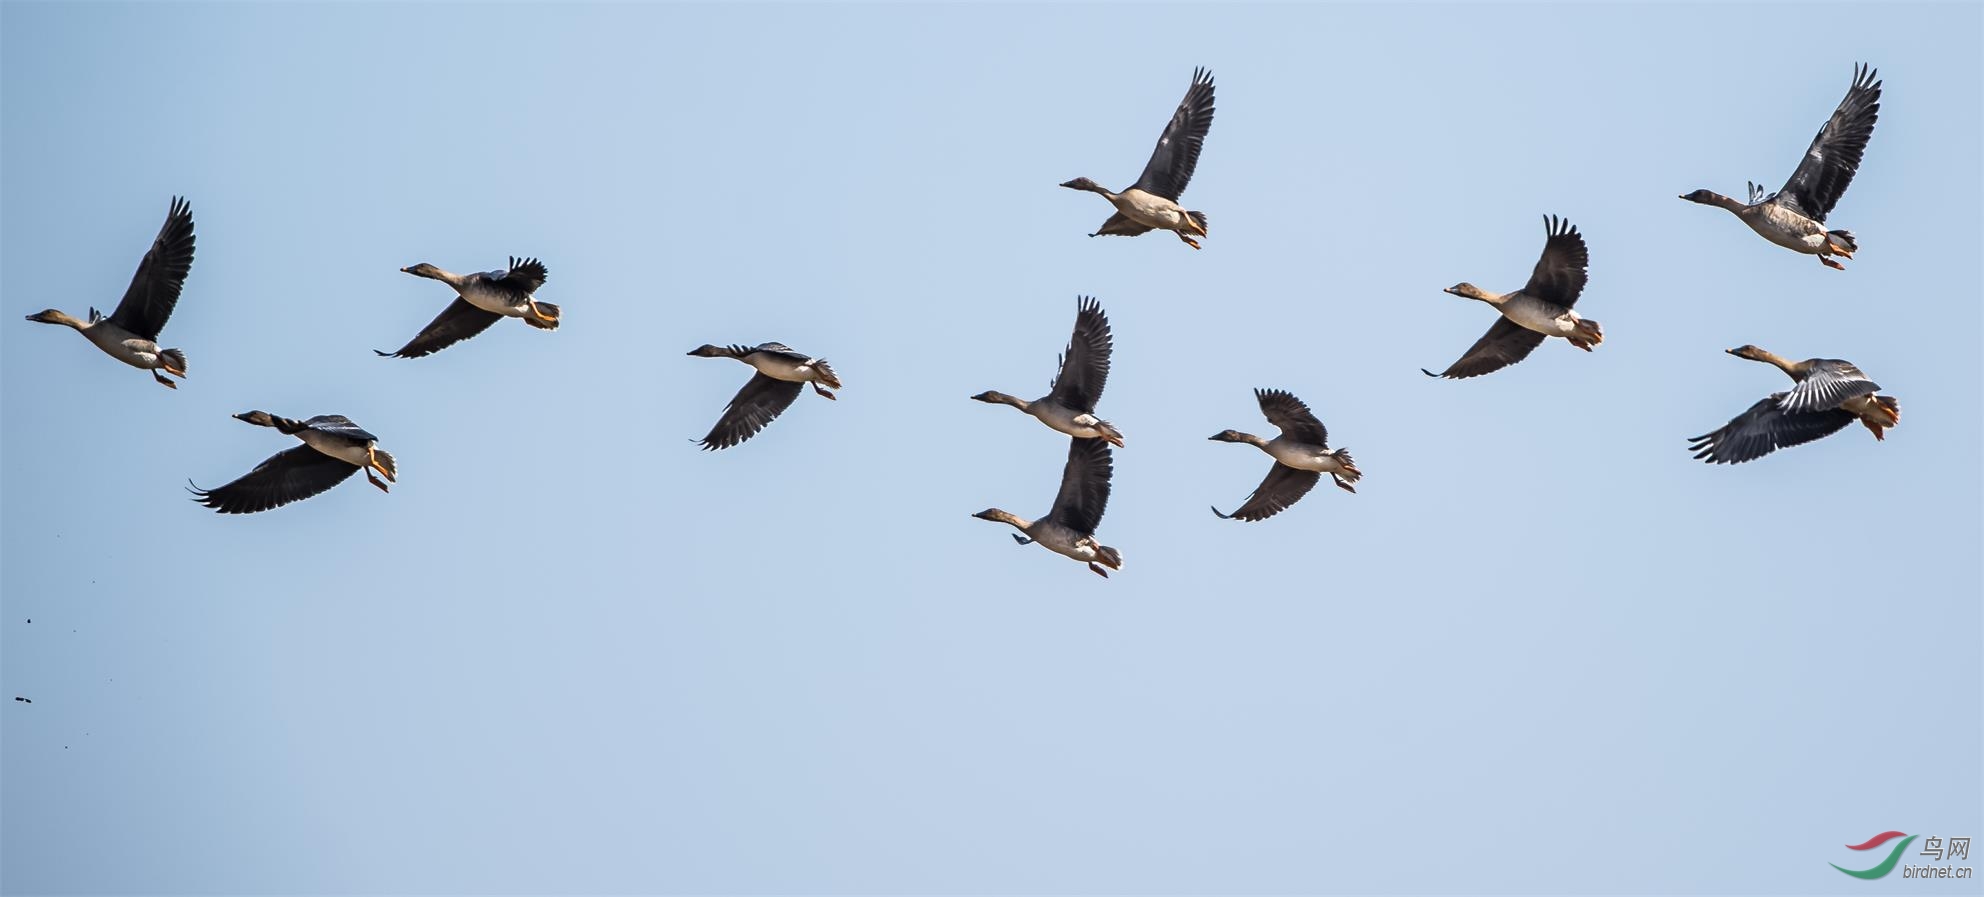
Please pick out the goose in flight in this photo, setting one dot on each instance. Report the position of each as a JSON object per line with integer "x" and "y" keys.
{"x": 1069, "y": 527}
{"x": 481, "y": 299}
{"x": 1541, "y": 308}
{"x": 781, "y": 371}
{"x": 1795, "y": 217}
{"x": 1830, "y": 394}
{"x": 130, "y": 334}
{"x": 1301, "y": 456}
{"x": 1069, "y": 405}
{"x": 1152, "y": 202}
{"x": 333, "y": 449}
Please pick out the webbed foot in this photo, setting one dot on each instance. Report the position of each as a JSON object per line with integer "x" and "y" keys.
{"x": 161, "y": 379}
{"x": 1098, "y": 570}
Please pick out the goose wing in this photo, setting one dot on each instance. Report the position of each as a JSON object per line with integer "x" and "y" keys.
{"x": 520, "y": 281}
{"x": 457, "y": 322}
{"x": 341, "y": 425}
{"x": 1835, "y": 153}
{"x": 154, "y": 289}
{"x": 1119, "y": 225}
{"x": 1084, "y": 486}
{"x": 1828, "y": 382}
{"x": 1085, "y": 366}
{"x": 1294, "y": 418}
{"x": 760, "y": 402}
{"x": 287, "y": 476}
{"x": 1504, "y": 344}
{"x": 1283, "y": 487}
{"x": 1560, "y": 272}
{"x": 1765, "y": 428}
{"x": 1177, "y": 154}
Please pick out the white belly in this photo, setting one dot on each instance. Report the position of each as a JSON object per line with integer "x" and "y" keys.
{"x": 1788, "y": 229}
{"x": 1066, "y": 420}
{"x": 1540, "y": 316}
{"x": 1302, "y": 456}
{"x": 337, "y": 447}
{"x": 1063, "y": 541}
{"x": 1150, "y": 210}
{"x": 491, "y": 301}
{"x": 779, "y": 368}
{"x": 123, "y": 346}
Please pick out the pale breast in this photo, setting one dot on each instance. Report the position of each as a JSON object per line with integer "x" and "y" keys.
{"x": 482, "y": 297}
{"x": 1535, "y": 314}
{"x": 336, "y": 446}
{"x": 1302, "y": 456}
{"x": 1149, "y": 209}
{"x": 1787, "y": 228}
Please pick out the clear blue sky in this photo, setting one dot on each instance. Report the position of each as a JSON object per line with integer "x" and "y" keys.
{"x": 1541, "y": 650}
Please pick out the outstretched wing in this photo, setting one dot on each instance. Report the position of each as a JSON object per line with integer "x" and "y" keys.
{"x": 761, "y": 401}
{"x": 457, "y": 322}
{"x": 1084, "y": 486}
{"x": 154, "y": 290}
{"x": 1560, "y": 272}
{"x": 1504, "y": 344}
{"x": 1829, "y": 382}
{"x": 1829, "y": 165}
{"x": 1085, "y": 366}
{"x": 1283, "y": 486}
{"x": 1177, "y": 155}
{"x": 1765, "y": 428}
{"x": 287, "y": 476}
{"x": 1293, "y": 417}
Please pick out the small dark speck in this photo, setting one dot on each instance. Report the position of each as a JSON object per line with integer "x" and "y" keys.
{"x": 22, "y": 700}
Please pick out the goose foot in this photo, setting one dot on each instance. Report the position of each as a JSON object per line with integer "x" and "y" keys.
{"x": 1189, "y": 242}
{"x": 1828, "y": 262}
{"x": 539, "y": 311}
{"x": 823, "y": 393}
{"x": 161, "y": 379}
{"x": 374, "y": 480}
{"x": 1098, "y": 570}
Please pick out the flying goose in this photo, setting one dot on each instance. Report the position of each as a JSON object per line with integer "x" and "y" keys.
{"x": 1795, "y": 216}
{"x": 1069, "y": 527}
{"x": 1830, "y": 395}
{"x": 1301, "y": 456}
{"x": 1152, "y": 203}
{"x": 1541, "y": 308}
{"x": 768, "y": 393}
{"x": 481, "y": 300}
{"x": 1069, "y": 405}
{"x": 130, "y": 334}
{"x": 333, "y": 449}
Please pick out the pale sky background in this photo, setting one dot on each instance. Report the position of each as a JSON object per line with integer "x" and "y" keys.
{"x": 1541, "y": 650}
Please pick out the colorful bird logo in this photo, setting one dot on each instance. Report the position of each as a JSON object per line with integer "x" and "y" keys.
{"x": 1886, "y": 866}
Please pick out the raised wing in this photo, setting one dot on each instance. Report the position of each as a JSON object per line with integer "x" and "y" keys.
{"x": 287, "y": 476}
{"x": 1834, "y": 157}
{"x": 457, "y": 322}
{"x": 1084, "y": 486}
{"x": 341, "y": 425}
{"x": 1292, "y": 416}
{"x": 1829, "y": 382}
{"x": 1504, "y": 344}
{"x": 1085, "y": 366}
{"x": 1177, "y": 155}
{"x": 1283, "y": 487}
{"x": 761, "y": 401}
{"x": 1765, "y": 428}
{"x": 154, "y": 290}
{"x": 1560, "y": 273}
{"x": 521, "y": 280}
